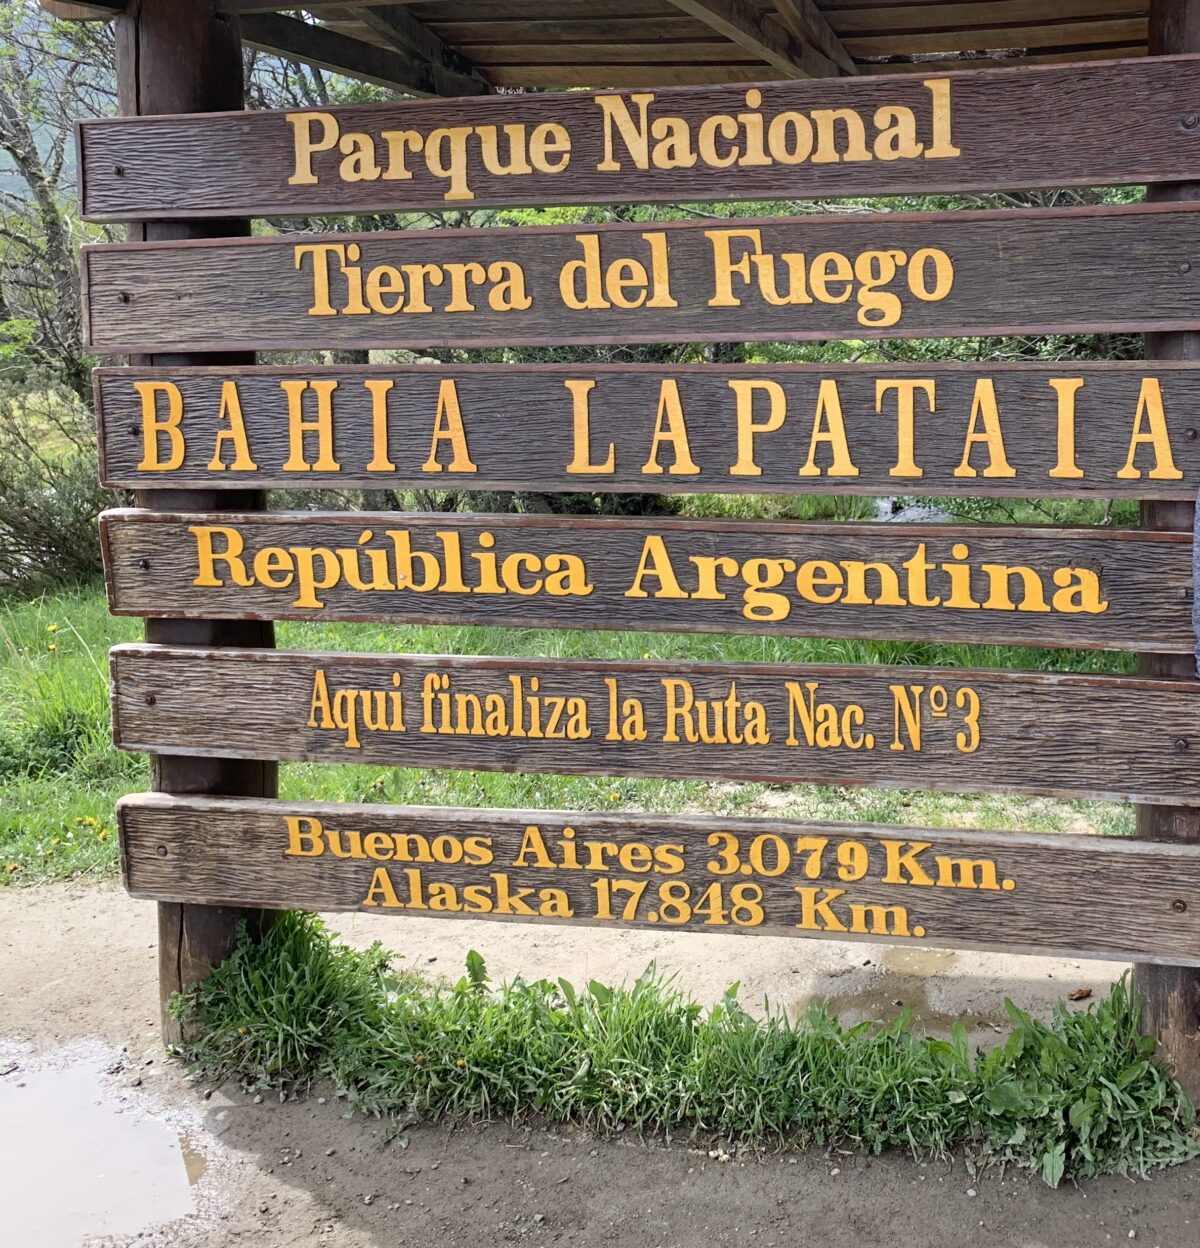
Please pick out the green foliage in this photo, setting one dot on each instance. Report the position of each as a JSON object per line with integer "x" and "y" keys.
{"x": 59, "y": 774}
{"x": 1082, "y": 1095}
{"x": 49, "y": 491}
{"x": 1073, "y": 1098}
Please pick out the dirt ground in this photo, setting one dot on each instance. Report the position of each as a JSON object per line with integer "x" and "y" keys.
{"x": 104, "y": 1143}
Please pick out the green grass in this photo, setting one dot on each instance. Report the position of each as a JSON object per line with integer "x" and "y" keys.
{"x": 1076, "y": 1097}
{"x": 60, "y": 777}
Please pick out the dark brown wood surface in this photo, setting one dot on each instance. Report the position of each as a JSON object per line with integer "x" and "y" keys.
{"x": 522, "y": 433}
{"x": 1090, "y": 588}
{"x": 178, "y": 56}
{"x": 994, "y": 731}
{"x": 1171, "y": 994}
{"x": 1111, "y": 122}
{"x": 1076, "y": 895}
{"x": 1070, "y": 270}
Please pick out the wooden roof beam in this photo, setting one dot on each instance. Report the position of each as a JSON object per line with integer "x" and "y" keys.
{"x": 93, "y": 11}
{"x": 452, "y": 72}
{"x": 809, "y": 24}
{"x": 745, "y": 25}
{"x": 338, "y": 53}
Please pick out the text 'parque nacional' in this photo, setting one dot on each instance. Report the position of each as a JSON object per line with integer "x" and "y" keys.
{"x": 925, "y": 133}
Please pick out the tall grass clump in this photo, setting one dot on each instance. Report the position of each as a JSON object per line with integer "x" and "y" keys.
{"x": 1078, "y": 1096}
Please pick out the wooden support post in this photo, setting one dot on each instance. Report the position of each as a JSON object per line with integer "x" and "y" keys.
{"x": 1172, "y": 993}
{"x": 181, "y": 56}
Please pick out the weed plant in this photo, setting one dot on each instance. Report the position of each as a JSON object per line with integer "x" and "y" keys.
{"x": 1075, "y": 1097}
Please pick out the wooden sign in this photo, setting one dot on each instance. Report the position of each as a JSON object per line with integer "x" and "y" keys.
{"x": 1055, "y": 895}
{"x": 1118, "y": 122}
{"x": 1117, "y": 738}
{"x": 1111, "y": 589}
{"x": 1030, "y": 430}
{"x": 879, "y": 275}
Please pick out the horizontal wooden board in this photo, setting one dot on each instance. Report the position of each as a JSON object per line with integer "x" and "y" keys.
{"x": 1115, "y": 122}
{"x": 1076, "y": 895}
{"x": 1118, "y": 738}
{"x": 1109, "y": 589}
{"x": 1067, "y": 430}
{"x": 962, "y": 273}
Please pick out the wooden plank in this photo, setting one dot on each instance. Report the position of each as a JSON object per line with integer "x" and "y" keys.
{"x": 96, "y": 11}
{"x": 1121, "y": 122}
{"x": 662, "y": 70}
{"x": 749, "y": 429}
{"x": 173, "y": 55}
{"x": 1121, "y": 739}
{"x": 1117, "y": 30}
{"x": 1080, "y": 270}
{"x": 1076, "y": 896}
{"x": 995, "y": 13}
{"x": 1060, "y": 56}
{"x": 583, "y": 27}
{"x": 1120, "y": 589}
{"x": 585, "y": 58}
{"x": 1172, "y": 994}
{"x": 327, "y": 49}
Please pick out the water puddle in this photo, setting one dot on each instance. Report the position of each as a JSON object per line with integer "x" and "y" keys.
{"x": 919, "y": 962}
{"x": 75, "y": 1162}
{"x": 905, "y": 984}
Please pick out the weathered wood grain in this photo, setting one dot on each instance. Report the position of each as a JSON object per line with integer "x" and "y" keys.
{"x": 1114, "y": 122}
{"x": 1117, "y": 738}
{"x": 1059, "y": 895}
{"x": 1091, "y": 588}
{"x": 1072, "y": 270}
{"x": 523, "y": 433}
{"x": 174, "y": 56}
{"x": 1171, "y": 995}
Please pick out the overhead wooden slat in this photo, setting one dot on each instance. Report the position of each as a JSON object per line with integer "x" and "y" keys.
{"x": 490, "y": 10}
{"x": 91, "y": 12}
{"x": 330, "y": 50}
{"x": 745, "y": 25}
{"x": 912, "y": 17}
{"x": 573, "y": 30}
{"x": 629, "y": 75}
{"x": 1057, "y": 57}
{"x": 1118, "y": 31}
{"x": 665, "y": 51}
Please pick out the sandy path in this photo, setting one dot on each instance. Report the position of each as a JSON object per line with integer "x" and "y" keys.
{"x": 77, "y": 985}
